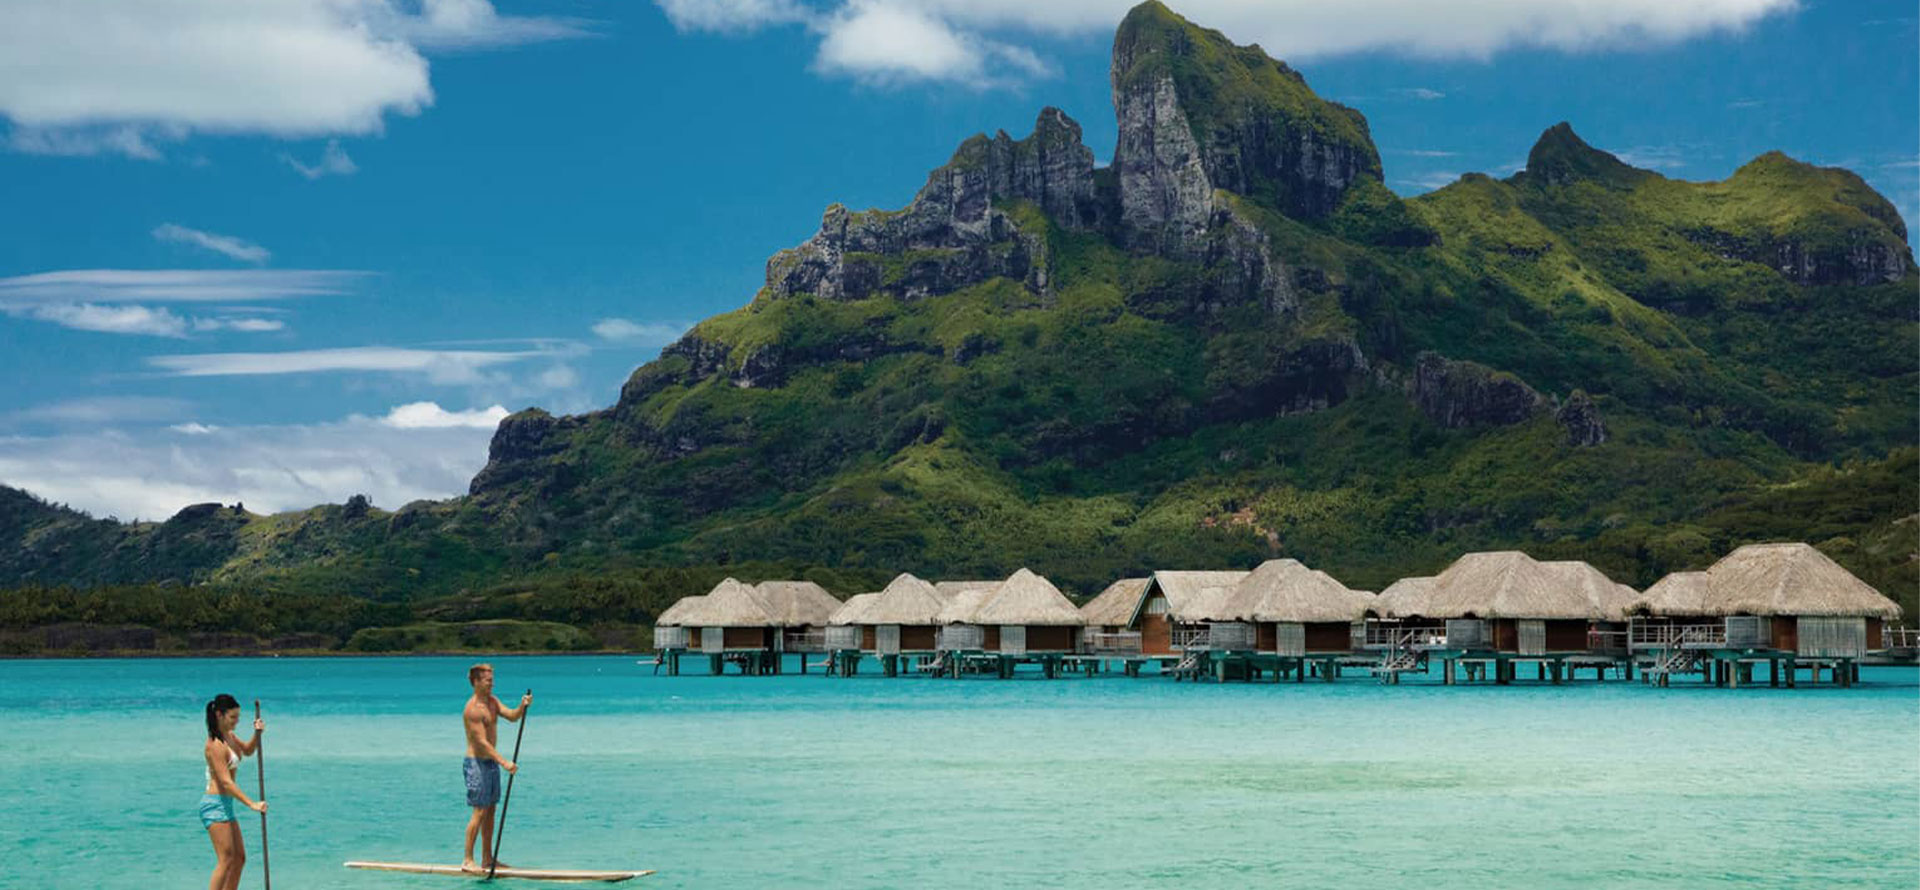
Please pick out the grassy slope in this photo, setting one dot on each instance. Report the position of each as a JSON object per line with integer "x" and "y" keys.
{"x": 1108, "y": 428}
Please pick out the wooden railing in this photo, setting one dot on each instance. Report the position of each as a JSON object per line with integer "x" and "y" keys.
{"x": 1664, "y": 635}
{"x": 1900, "y": 638}
{"x": 1122, "y": 643}
{"x": 1382, "y": 635}
{"x": 1607, "y": 641}
{"x": 803, "y": 641}
{"x": 1182, "y": 638}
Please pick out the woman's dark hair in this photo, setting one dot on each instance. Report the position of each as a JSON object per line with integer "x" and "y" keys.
{"x": 221, "y": 704}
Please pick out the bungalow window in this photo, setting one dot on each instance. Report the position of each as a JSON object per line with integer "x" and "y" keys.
{"x": 1157, "y": 606}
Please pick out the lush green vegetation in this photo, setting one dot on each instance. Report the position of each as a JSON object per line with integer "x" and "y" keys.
{"x": 1130, "y": 417}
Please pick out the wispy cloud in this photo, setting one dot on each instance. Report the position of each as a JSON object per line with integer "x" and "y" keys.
{"x": 333, "y": 162}
{"x": 127, "y": 140}
{"x": 1745, "y": 103}
{"x": 1424, "y": 94}
{"x": 96, "y": 410}
{"x": 1423, "y": 153}
{"x": 620, "y": 330}
{"x": 1652, "y": 157}
{"x": 226, "y": 245}
{"x": 175, "y": 285}
{"x": 438, "y": 365}
{"x": 1427, "y": 182}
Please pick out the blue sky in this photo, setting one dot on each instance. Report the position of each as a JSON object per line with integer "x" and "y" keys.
{"x": 294, "y": 251}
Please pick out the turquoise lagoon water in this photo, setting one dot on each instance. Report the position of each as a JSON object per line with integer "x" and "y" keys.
{"x": 1106, "y": 782}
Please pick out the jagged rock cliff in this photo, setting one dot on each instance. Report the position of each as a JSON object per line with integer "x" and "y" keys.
{"x": 1198, "y": 113}
{"x": 951, "y": 235}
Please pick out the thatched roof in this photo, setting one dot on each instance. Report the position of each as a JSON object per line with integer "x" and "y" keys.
{"x": 675, "y": 613}
{"x": 1026, "y": 598}
{"x": 796, "y": 603}
{"x": 1404, "y": 598}
{"x": 1511, "y": 584}
{"x": 1191, "y": 595}
{"x": 1284, "y": 590}
{"x": 851, "y": 611}
{"x": 1680, "y": 593}
{"x": 1790, "y": 579}
{"x": 906, "y": 600}
{"x": 962, "y": 603}
{"x": 729, "y": 604}
{"x": 950, "y": 589}
{"x": 1114, "y": 607}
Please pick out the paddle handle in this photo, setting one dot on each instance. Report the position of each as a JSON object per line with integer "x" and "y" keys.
{"x": 500, "y": 831}
{"x": 260, "y": 761}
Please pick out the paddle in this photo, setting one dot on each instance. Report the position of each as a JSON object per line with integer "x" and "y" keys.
{"x": 260, "y": 760}
{"x": 499, "y": 832}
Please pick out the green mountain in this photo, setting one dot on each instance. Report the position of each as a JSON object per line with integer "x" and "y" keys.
{"x": 1230, "y": 343}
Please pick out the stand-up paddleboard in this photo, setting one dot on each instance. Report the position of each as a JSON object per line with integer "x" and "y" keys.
{"x": 529, "y": 874}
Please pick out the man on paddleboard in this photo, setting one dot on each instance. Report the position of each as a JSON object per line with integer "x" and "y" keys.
{"x": 484, "y": 761}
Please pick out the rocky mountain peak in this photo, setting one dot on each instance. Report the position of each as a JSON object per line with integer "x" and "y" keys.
{"x": 1561, "y": 157}
{"x": 1198, "y": 113}
{"x": 952, "y": 226}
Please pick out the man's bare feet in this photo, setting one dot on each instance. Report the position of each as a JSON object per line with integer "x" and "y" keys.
{"x": 498, "y": 864}
{"x": 467, "y": 865}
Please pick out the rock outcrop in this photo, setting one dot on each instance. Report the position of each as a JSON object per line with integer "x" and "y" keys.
{"x": 1581, "y": 419}
{"x": 520, "y": 445}
{"x": 1459, "y": 394}
{"x": 1197, "y": 113}
{"x": 952, "y": 235}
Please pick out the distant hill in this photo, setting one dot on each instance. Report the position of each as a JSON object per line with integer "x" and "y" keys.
{"x": 1231, "y": 342}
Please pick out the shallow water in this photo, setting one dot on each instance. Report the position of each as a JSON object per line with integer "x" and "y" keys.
{"x": 875, "y": 783}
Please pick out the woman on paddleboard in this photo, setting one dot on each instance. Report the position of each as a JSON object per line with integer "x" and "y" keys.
{"x": 223, "y": 751}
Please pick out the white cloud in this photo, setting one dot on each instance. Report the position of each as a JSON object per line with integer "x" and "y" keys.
{"x": 473, "y": 24}
{"x": 888, "y": 42}
{"x": 333, "y": 162}
{"x": 732, "y": 16}
{"x": 174, "y": 285}
{"x": 244, "y": 251}
{"x": 438, "y": 365}
{"x": 104, "y": 319}
{"x": 1422, "y": 93}
{"x": 429, "y": 415}
{"x": 967, "y": 41}
{"x": 1651, "y": 157}
{"x": 1426, "y": 182}
{"x": 96, "y": 410}
{"x": 108, "y": 75}
{"x": 88, "y": 141}
{"x": 269, "y": 468}
{"x": 243, "y": 325}
{"x": 620, "y": 330}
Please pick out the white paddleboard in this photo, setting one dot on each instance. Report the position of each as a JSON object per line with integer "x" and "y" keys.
{"x": 530, "y": 874}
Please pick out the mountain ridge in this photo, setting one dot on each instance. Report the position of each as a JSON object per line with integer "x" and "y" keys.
{"x": 1232, "y": 343}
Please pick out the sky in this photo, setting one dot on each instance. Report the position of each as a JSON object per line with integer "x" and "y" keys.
{"x": 280, "y": 252}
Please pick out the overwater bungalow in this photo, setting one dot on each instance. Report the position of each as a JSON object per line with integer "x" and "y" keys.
{"x": 1024, "y": 618}
{"x": 901, "y": 621}
{"x": 1108, "y": 616}
{"x": 800, "y": 610}
{"x": 1286, "y": 616}
{"x": 1169, "y": 612}
{"x": 730, "y": 624}
{"x": 670, "y": 636}
{"x": 845, "y": 637}
{"x": 1504, "y": 607}
{"x": 1786, "y": 604}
